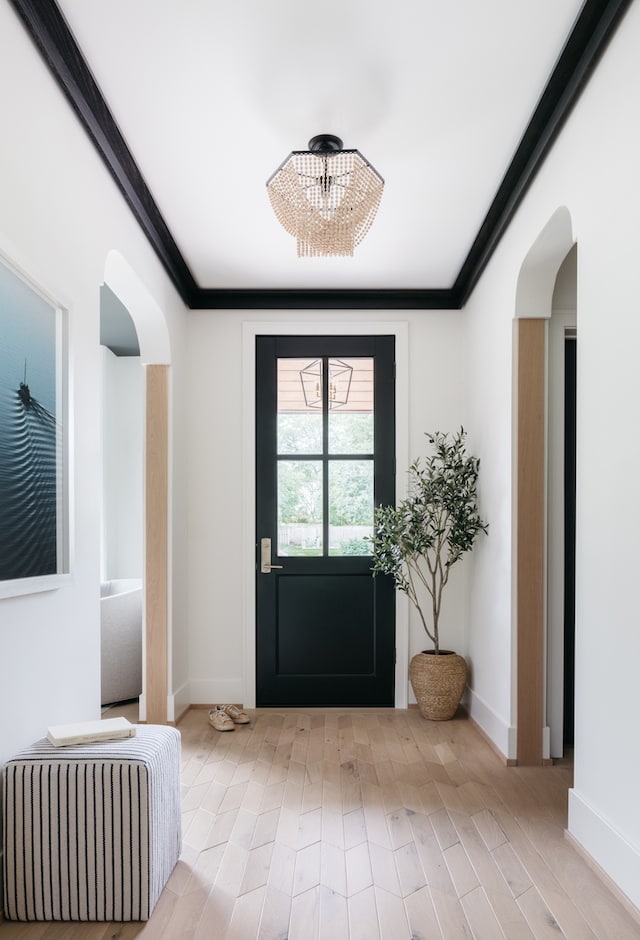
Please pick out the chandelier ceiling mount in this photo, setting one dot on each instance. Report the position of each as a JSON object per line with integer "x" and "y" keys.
{"x": 325, "y": 143}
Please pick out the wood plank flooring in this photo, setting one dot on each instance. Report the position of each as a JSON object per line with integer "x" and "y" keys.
{"x": 330, "y": 824}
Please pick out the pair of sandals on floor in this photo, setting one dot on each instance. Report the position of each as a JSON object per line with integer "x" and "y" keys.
{"x": 226, "y": 717}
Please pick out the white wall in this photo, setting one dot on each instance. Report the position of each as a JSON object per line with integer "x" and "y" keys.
{"x": 593, "y": 170}
{"x": 489, "y": 366}
{"x": 60, "y": 215}
{"x": 604, "y": 804}
{"x": 123, "y": 466}
{"x": 220, "y": 493}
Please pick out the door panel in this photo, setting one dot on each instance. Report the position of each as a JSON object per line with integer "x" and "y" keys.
{"x": 319, "y": 632}
{"x": 325, "y": 628}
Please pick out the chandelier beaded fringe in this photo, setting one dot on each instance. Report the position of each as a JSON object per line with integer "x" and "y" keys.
{"x": 326, "y": 199}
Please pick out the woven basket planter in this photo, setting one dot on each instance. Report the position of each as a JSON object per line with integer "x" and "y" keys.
{"x": 438, "y": 683}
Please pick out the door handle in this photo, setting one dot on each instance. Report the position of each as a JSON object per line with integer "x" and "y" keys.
{"x": 265, "y": 557}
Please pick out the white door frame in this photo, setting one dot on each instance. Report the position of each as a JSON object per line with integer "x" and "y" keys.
{"x": 251, "y": 329}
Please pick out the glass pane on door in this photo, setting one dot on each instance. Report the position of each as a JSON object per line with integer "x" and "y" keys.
{"x": 350, "y": 507}
{"x": 299, "y": 406}
{"x": 351, "y": 408}
{"x": 300, "y": 507}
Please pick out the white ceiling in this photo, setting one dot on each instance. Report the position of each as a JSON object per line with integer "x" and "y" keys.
{"x": 211, "y": 96}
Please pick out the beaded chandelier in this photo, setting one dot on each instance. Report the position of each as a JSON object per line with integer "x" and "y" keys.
{"x": 326, "y": 197}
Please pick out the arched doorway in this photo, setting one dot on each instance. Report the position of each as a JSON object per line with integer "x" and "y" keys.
{"x": 155, "y": 356}
{"x": 561, "y": 508}
{"x": 534, "y": 298}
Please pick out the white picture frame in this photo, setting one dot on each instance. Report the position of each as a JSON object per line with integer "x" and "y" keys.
{"x": 34, "y": 419}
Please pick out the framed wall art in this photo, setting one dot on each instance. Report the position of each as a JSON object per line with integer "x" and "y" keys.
{"x": 34, "y": 504}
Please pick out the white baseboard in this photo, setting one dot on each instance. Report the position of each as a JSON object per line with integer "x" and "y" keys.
{"x": 215, "y": 691}
{"x": 501, "y": 734}
{"x": 178, "y": 702}
{"x": 611, "y": 852}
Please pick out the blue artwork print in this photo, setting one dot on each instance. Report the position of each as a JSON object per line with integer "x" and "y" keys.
{"x": 29, "y": 432}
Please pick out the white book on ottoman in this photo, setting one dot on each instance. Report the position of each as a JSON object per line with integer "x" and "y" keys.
{"x": 88, "y": 732}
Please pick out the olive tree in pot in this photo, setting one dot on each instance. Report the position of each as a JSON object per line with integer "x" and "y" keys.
{"x": 417, "y": 543}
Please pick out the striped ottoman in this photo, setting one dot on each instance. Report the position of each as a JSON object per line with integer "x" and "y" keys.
{"x": 91, "y": 832}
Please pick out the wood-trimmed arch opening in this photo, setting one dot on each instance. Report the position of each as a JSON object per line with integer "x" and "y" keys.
{"x": 534, "y": 298}
{"x": 155, "y": 354}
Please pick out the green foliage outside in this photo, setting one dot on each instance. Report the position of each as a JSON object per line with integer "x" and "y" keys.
{"x": 351, "y": 492}
{"x": 300, "y": 491}
{"x": 350, "y": 433}
{"x": 300, "y": 433}
{"x": 353, "y": 547}
{"x": 300, "y": 481}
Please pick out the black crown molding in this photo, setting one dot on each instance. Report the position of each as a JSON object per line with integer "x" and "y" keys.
{"x": 587, "y": 41}
{"x": 325, "y": 299}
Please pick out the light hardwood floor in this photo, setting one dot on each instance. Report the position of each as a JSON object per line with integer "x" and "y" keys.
{"x": 325, "y": 824}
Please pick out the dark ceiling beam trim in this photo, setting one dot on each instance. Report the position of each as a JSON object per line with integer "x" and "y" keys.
{"x": 594, "y": 27}
{"x": 324, "y": 299}
{"x": 592, "y": 31}
{"x": 50, "y": 33}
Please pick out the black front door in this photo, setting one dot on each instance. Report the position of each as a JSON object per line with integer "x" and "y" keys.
{"x": 325, "y": 628}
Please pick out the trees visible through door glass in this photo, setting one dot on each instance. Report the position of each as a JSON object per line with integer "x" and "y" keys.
{"x": 325, "y": 411}
{"x": 350, "y": 507}
{"x": 300, "y": 529}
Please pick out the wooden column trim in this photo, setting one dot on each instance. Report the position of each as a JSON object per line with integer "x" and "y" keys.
{"x": 530, "y": 538}
{"x": 156, "y": 503}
